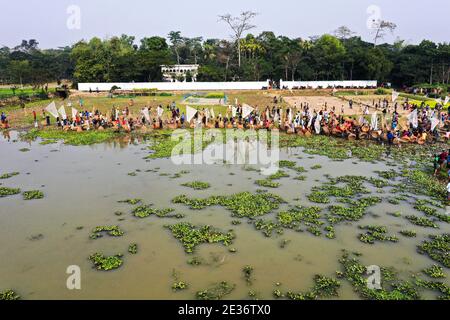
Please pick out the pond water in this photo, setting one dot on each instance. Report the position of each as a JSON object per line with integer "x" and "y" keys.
{"x": 83, "y": 184}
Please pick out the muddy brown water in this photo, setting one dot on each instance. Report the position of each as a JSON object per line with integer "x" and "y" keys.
{"x": 83, "y": 184}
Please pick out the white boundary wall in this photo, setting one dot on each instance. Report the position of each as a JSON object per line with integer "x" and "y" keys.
{"x": 175, "y": 86}
{"x": 329, "y": 84}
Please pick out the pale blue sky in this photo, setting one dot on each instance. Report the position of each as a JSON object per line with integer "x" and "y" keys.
{"x": 45, "y": 20}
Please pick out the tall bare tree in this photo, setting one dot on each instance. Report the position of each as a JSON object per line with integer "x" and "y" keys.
{"x": 380, "y": 28}
{"x": 239, "y": 25}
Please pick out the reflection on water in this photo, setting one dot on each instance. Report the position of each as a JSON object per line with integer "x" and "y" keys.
{"x": 82, "y": 185}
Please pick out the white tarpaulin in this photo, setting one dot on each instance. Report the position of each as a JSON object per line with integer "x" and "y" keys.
{"x": 74, "y": 112}
{"x": 395, "y": 96}
{"x": 160, "y": 112}
{"x": 317, "y": 124}
{"x": 413, "y": 119}
{"x": 51, "y": 108}
{"x": 434, "y": 123}
{"x": 190, "y": 113}
{"x": 246, "y": 110}
{"x": 374, "y": 122}
{"x": 233, "y": 111}
{"x": 146, "y": 114}
{"x": 213, "y": 115}
{"x": 62, "y": 112}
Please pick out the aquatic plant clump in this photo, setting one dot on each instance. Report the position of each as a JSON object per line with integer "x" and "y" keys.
{"x": 215, "y": 292}
{"x": 33, "y": 195}
{"x": 191, "y": 236}
{"x": 434, "y": 271}
{"x": 133, "y": 248}
{"x": 179, "y": 285}
{"x": 267, "y": 183}
{"x": 113, "y": 231}
{"x": 375, "y": 233}
{"x": 8, "y": 175}
{"x": 131, "y": 201}
{"x": 197, "y": 185}
{"x": 145, "y": 211}
{"x": 106, "y": 263}
{"x": 421, "y": 221}
{"x": 8, "y": 295}
{"x": 392, "y": 288}
{"x": 437, "y": 248}
{"x": 4, "y": 191}
{"x": 243, "y": 204}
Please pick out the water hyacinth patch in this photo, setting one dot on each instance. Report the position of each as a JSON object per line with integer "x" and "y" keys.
{"x": 131, "y": 201}
{"x": 421, "y": 205}
{"x": 286, "y": 164}
{"x": 434, "y": 271}
{"x": 267, "y": 183}
{"x": 197, "y": 185}
{"x": 437, "y": 248}
{"x": 106, "y": 263}
{"x": 324, "y": 287}
{"x": 440, "y": 287}
{"x": 133, "y": 248}
{"x": 33, "y": 195}
{"x": 216, "y": 292}
{"x": 8, "y": 295}
{"x": 421, "y": 221}
{"x": 248, "y": 271}
{"x": 179, "y": 285}
{"x": 8, "y": 175}
{"x": 191, "y": 236}
{"x": 375, "y": 233}
{"x": 145, "y": 211}
{"x": 4, "y": 191}
{"x": 408, "y": 233}
{"x": 316, "y": 167}
{"x": 113, "y": 231}
{"x": 392, "y": 288}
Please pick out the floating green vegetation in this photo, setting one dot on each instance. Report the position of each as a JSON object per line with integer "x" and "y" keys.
{"x": 420, "y": 182}
{"x": 133, "y": 202}
{"x": 375, "y": 233}
{"x": 179, "y": 174}
{"x": 197, "y": 185}
{"x": 179, "y": 285}
{"x": 388, "y": 175}
{"x": 435, "y": 286}
{"x": 145, "y": 211}
{"x": 195, "y": 261}
{"x": 8, "y": 295}
{"x": 300, "y": 178}
{"x": 421, "y": 221}
{"x": 318, "y": 197}
{"x": 32, "y": 195}
{"x": 408, "y": 233}
{"x": 286, "y": 164}
{"x": 316, "y": 167}
{"x": 132, "y": 174}
{"x": 4, "y": 191}
{"x": 437, "y": 248}
{"x": 24, "y": 150}
{"x": 324, "y": 287}
{"x": 277, "y": 176}
{"x": 113, "y": 231}
{"x": 297, "y": 217}
{"x": 71, "y": 137}
{"x": 191, "y": 236}
{"x": 434, "y": 271}
{"x": 267, "y": 183}
{"x": 242, "y": 205}
{"x": 421, "y": 205}
{"x": 354, "y": 212}
{"x": 216, "y": 292}
{"x": 391, "y": 287}
{"x": 133, "y": 248}
{"x": 248, "y": 271}
{"x": 236, "y": 222}
{"x": 8, "y": 175}
{"x": 105, "y": 263}
{"x": 267, "y": 227}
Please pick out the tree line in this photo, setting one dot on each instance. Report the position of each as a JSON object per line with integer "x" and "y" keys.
{"x": 337, "y": 56}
